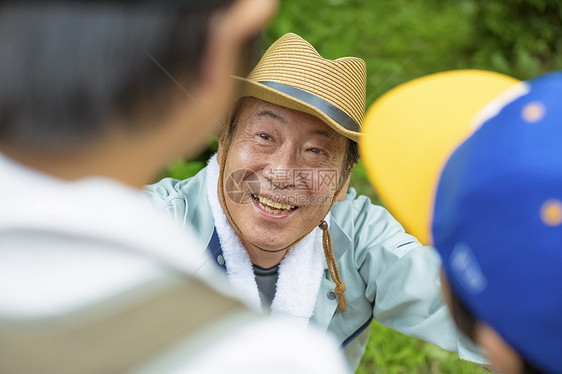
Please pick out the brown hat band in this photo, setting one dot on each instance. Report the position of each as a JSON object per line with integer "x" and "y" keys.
{"x": 322, "y": 105}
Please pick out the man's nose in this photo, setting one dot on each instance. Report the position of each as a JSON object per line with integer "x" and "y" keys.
{"x": 280, "y": 170}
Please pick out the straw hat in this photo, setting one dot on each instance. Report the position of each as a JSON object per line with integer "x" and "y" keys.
{"x": 294, "y": 75}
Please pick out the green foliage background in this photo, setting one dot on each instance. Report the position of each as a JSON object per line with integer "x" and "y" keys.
{"x": 401, "y": 40}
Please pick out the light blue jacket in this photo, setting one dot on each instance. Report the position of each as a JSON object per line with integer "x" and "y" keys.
{"x": 389, "y": 275}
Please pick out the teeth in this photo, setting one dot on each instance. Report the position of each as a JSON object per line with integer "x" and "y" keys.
{"x": 273, "y": 207}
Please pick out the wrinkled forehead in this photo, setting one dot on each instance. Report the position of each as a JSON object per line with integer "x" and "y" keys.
{"x": 250, "y": 109}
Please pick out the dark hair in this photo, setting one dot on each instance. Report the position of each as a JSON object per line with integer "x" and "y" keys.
{"x": 466, "y": 323}
{"x": 351, "y": 156}
{"x": 68, "y": 68}
{"x": 351, "y": 159}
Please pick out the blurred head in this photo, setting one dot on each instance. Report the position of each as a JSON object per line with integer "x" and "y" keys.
{"x": 78, "y": 75}
{"x": 498, "y": 227}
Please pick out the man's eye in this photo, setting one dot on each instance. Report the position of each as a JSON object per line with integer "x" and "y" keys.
{"x": 316, "y": 150}
{"x": 265, "y": 136}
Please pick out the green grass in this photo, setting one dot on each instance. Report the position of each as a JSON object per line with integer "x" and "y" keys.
{"x": 398, "y": 39}
{"x": 390, "y": 352}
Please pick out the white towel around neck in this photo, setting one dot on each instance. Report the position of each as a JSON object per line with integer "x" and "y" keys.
{"x": 300, "y": 272}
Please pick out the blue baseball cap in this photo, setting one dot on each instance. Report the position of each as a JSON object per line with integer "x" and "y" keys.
{"x": 497, "y": 221}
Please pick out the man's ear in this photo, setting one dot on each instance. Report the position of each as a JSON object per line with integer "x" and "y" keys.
{"x": 501, "y": 355}
{"x": 343, "y": 191}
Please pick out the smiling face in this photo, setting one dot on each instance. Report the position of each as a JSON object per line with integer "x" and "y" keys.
{"x": 285, "y": 166}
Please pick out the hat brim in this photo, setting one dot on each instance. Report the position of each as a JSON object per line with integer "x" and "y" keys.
{"x": 261, "y": 91}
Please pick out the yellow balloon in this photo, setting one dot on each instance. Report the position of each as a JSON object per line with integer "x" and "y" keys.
{"x": 410, "y": 132}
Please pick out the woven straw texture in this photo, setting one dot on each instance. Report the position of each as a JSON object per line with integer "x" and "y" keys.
{"x": 291, "y": 60}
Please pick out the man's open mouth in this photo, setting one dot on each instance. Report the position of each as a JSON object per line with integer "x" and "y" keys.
{"x": 272, "y": 207}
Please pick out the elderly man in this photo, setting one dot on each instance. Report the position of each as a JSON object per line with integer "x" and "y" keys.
{"x": 276, "y": 212}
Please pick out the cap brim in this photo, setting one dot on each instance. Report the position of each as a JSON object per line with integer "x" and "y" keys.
{"x": 263, "y": 92}
{"x": 411, "y": 131}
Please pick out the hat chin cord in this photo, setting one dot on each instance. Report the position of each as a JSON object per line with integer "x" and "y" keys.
{"x": 326, "y": 239}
